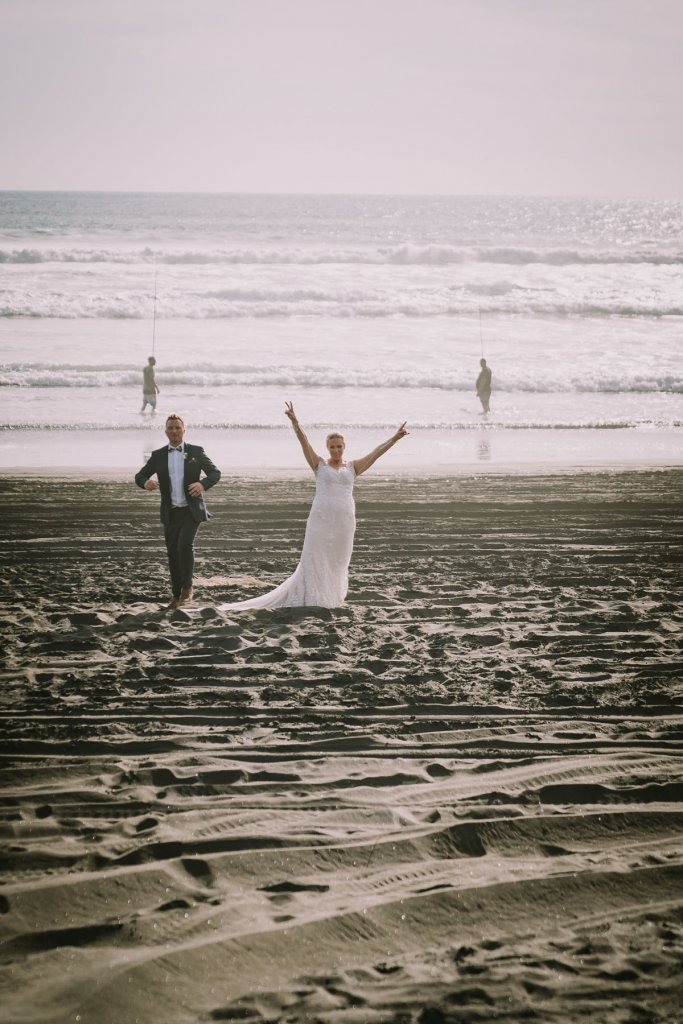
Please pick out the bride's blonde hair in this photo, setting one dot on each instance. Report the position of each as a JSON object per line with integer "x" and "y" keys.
{"x": 335, "y": 433}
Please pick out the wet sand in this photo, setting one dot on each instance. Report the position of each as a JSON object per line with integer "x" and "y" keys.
{"x": 487, "y": 446}
{"x": 458, "y": 798}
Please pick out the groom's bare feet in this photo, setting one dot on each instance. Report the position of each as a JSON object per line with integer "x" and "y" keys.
{"x": 185, "y": 597}
{"x": 173, "y": 603}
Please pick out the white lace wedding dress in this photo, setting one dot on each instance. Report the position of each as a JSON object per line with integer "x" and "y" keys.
{"x": 322, "y": 575}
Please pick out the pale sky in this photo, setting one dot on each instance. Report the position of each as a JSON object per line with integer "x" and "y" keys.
{"x": 554, "y": 97}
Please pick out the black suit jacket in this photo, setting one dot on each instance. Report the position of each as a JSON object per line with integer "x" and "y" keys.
{"x": 196, "y": 462}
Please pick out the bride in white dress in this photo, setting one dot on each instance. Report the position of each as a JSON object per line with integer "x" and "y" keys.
{"x": 322, "y": 575}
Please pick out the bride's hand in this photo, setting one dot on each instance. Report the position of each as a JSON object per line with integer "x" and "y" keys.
{"x": 401, "y": 432}
{"x": 289, "y": 412}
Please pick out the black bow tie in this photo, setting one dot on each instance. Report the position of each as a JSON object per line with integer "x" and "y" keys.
{"x": 178, "y": 449}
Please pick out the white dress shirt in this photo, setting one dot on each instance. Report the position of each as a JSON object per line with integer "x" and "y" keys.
{"x": 176, "y": 471}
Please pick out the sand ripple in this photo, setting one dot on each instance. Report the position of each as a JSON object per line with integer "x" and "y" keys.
{"x": 458, "y": 798}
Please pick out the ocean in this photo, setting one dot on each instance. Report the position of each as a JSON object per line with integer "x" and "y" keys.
{"x": 363, "y": 310}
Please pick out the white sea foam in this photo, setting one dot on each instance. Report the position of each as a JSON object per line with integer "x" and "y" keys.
{"x": 204, "y": 376}
{"x": 406, "y": 255}
{"x": 381, "y": 292}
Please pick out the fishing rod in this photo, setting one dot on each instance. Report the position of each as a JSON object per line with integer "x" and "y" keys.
{"x": 481, "y": 335}
{"x": 154, "y": 314}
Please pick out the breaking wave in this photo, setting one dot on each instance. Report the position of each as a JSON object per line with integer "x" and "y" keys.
{"x": 404, "y": 254}
{"x": 19, "y": 375}
{"x": 269, "y": 303}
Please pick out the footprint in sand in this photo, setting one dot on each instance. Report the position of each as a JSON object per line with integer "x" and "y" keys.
{"x": 198, "y": 869}
{"x": 279, "y": 888}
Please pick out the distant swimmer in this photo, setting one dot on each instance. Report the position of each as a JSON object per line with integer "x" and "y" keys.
{"x": 483, "y": 386}
{"x": 149, "y": 386}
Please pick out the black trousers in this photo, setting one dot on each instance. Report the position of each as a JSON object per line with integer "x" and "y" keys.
{"x": 179, "y": 535}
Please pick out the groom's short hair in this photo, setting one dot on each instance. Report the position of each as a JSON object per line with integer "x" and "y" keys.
{"x": 175, "y": 416}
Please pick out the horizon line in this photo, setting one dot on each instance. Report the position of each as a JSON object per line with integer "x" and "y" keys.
{"x": 337, "y": 194}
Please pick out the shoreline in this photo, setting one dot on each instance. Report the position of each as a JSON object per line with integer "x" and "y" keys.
{"x": 424, "y": 453}
{"x": 254, "y": 474}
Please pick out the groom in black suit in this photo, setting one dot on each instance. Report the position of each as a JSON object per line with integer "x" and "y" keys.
{"x": 177, "y": 467}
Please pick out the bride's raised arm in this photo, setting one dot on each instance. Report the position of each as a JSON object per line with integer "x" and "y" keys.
{"x": 360, "y": 465}
{"x": 312, "y": 458}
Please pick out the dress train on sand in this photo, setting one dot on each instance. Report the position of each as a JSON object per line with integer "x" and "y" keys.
{"x": 321, "y": 578}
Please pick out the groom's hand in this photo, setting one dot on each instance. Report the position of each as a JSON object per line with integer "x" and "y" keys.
{"x": 151, "y": 485}
{"x": 195, "y": 490}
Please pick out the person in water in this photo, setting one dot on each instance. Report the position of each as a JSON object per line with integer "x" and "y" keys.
{"x": 483, "y": 385}
{"x": 150, "y": 389}
{"x": 321, "y": 578}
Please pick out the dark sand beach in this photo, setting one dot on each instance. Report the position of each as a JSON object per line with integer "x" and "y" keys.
{"x": 456, "y": 799}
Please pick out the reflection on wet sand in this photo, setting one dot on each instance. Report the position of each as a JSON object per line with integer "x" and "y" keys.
{"x": 483, "y": 446}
